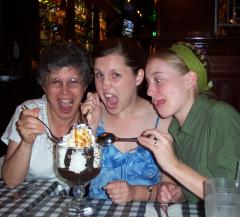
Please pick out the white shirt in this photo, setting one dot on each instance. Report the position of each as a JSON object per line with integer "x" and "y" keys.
{"x": 42, "y": 158}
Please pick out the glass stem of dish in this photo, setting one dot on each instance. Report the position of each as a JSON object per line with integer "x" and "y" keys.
{"x": 78, "y": 192}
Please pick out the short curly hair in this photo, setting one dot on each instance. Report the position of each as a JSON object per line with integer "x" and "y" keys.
{"x": 61, "y": 55}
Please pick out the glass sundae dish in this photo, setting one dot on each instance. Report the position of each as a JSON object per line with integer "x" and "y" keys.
{"x": 78, "y": 161}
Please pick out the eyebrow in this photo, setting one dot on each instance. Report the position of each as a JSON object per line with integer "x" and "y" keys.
{"x": 156, "y": 72}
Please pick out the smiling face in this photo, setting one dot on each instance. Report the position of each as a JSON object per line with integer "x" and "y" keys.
{"x": 172, "y": 92}
{"x": 115, "y": 82}
{"x": 64, "y": 89}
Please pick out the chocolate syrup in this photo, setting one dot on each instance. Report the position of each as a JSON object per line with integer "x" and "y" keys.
{"x": 79, "y": 178}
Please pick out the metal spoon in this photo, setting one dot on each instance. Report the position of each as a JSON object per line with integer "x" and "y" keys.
{"x": 52, "y": 137}
{"x": 109, "y": 138}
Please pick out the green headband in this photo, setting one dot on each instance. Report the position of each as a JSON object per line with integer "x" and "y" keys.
{"x": 194, "y": 64}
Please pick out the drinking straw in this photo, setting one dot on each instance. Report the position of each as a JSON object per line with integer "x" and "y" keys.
{"x": 238, "y": 174}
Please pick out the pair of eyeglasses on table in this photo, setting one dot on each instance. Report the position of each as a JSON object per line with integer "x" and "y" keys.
{"x": 36, "y": 198}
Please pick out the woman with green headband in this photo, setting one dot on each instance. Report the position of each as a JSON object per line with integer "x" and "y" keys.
{"x": 204, "y": 134}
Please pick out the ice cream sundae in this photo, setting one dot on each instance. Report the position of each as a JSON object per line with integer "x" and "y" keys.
{"x": 79, "y": 155}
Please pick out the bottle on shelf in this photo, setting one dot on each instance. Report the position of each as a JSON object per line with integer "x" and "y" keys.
{"x": 62, "y": 20}
{"x": 52, "y": 21}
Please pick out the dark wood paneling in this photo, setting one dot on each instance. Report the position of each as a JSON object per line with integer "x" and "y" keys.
{"x": 225, "y": 73}
{"x": 188, "y": 17}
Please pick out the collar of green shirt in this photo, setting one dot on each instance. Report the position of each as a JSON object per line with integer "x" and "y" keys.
{"x": 193, "y": 118}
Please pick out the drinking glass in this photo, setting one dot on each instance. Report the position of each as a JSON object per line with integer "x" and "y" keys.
{"x": 222, "y": 197}
{"x": 78, "y": 166}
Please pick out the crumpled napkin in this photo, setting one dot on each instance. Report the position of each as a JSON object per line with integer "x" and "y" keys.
{"x": 173, "y": 211}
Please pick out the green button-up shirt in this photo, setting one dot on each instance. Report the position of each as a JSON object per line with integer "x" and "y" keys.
{"x": 209, "y": 140}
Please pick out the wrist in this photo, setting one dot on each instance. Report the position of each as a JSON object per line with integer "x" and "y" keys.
{"x": 26, "y": 145}
{"x": 150, "y": 190}
{"x": 174, "y": 168}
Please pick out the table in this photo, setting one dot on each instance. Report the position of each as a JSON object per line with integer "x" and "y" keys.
{"x": 28, "y": 199}
{"x": 52, "y": 206}
{"x": 38, "y": 201}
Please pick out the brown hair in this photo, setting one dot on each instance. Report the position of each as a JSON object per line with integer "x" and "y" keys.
{"x": 128, "y": 48}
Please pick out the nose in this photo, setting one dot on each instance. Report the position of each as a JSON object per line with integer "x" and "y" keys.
{"x": 151, "y": 91}
{"x": 65, "y": 87}
{"x": 106, "y": 83}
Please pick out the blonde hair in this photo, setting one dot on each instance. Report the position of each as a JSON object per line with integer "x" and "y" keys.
{"x": 185, "y": 57}
{"x": 172, "y": 59}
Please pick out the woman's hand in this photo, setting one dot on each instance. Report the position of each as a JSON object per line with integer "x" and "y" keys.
{"x": 119, "y": 191}
{"x": 29, "y": 126}
{"x": 92, "y": 107}
{"x": 160, "y": 144}
{"x": 169, "y": 192}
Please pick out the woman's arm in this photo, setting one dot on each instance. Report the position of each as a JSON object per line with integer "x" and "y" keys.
{"x": 122, "y": 192}
{"x": 161, "y": 145}
{"x": 16, "y": 163}
{"x": 189, "y": 178}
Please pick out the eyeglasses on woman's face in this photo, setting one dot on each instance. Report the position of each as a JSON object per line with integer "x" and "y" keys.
{"x": 58, "y": 83}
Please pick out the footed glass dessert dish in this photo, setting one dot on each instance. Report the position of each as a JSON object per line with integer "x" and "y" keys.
{"x": 78, "y": 159}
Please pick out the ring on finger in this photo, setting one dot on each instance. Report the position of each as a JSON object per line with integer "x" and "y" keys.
{"x": 155, "y": 141}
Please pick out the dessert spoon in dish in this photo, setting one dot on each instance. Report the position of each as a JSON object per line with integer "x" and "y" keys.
{"x": 50, "y": 135}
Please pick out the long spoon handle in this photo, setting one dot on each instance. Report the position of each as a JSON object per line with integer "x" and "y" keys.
{"x": 51, "y": 136}
{"x": 133, "y": 139}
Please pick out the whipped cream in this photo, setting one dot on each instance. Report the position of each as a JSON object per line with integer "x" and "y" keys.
{"x": 78, "y": 162}
{"x": 61, "y": 156}
{"x": 80, "y": 136}
{"x": 96, "y": 161}
{"x": 79, "y": 140}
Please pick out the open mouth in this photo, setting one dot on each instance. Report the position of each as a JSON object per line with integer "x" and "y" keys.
{"x": 65, "y": 105}
{"x": 111, "y": 100}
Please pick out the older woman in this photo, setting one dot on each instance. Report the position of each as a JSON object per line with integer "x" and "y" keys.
{"x": 64, "y": 73}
